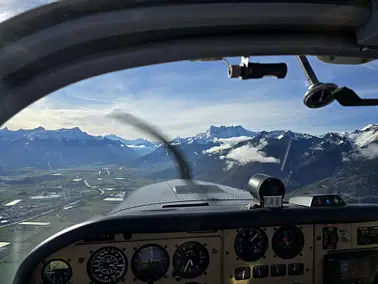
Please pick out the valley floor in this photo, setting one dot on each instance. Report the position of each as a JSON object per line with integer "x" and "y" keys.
{"x": 36, "y": 204}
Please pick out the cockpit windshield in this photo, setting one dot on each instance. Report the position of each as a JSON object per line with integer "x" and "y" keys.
{"x": 64, "y": 160}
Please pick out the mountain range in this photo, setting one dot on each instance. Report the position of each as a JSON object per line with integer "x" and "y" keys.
{"x": 215, "y": 132}
{"x": 60, "y": 148}
{"x": 344, "y": 162}
{"x": 141, "y": 146}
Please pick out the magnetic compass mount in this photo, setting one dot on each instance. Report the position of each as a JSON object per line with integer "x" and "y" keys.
{"x": 266, "y": 190}
{"x": 322, "y": 94}
{"x": 247, "y": 70}
{"x": 319, "y": 95}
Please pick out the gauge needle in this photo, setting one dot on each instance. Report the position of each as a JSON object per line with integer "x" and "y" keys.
{"x": 151, "y": 254}
{"x": 253, "y": 238}
{"x": 187, "y": 264}
{"x": 142, "y": 261}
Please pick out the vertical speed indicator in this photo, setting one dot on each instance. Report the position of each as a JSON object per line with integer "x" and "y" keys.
{"x": 250, "y": 244}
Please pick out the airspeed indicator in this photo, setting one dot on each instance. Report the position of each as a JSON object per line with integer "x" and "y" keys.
{"x": 107, "y": 265}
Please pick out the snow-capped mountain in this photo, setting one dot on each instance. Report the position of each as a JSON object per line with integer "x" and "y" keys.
{"x": 215, "y": 132}
{"x": 228, "y": 148}
{"x": 140, "y": 145}
{"x": 193, "y": 147}
{"x": 298, "y": 159}
{"x": 59, "y": 149}
{"x": 235, "y": 145}
{"x": 357, "y": 144}
{"x": 365, "y": 136}
{"x": 42, "y": 133}
{"x": 214, "y": 139}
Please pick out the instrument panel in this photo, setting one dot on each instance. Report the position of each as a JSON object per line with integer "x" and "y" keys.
{"x": 286, "y": 254}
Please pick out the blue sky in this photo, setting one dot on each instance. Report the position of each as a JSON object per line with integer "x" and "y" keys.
{"x": 185, "y": 98}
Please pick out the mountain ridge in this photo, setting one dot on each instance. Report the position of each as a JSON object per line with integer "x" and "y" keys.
{"x": 232, "y": 144}
{"x": 341, "y": 162}
{"x": 140, "y": 145}
{"x": 219, "y": 132}
{"x": 59, "y": 148}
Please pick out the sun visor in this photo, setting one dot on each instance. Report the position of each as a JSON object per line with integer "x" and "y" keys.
{"x": 368, "y": 35}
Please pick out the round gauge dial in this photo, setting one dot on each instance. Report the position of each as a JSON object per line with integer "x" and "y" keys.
{"x": 250, "y": 244}
{"x": 150, "y": 263}
{"x": 107, "y": 265}
{"x": 190, "y": 260}
{"x": 287, "y": 242}
{"x": 56, "y": 272}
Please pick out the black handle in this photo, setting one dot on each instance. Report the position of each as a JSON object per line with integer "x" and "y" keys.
{"x": 259, "y": 70}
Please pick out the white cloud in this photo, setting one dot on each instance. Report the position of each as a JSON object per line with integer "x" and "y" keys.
{"x": 92, "y": 99}
{"x": 247, "y": 154}
{"x": 136, "y": 146}
{"x": 369, "y": 152}
{"x": 244, "y": 154}
{"x": 226, "y": 143}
